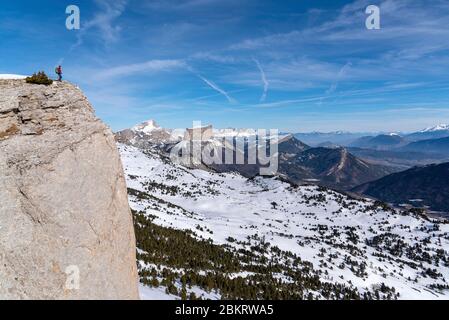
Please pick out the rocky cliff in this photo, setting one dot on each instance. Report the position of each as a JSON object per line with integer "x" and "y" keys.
{"x": 65, "y": 225}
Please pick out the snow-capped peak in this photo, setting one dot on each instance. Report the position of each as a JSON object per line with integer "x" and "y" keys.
{"x": 147, "y": 127}
{"x": 440, "y": 127}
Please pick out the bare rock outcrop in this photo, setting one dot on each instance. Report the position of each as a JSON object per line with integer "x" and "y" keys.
{"x": 66, "y": 229}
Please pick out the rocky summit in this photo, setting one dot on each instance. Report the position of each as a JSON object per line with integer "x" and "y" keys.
{"x": 66, "y": 229}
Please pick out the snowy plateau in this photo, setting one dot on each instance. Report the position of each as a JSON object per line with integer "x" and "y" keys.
{"x": 208, "y": 235}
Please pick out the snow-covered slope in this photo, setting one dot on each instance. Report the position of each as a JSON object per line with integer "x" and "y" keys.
{"x": 11, "y": 76}
{"x": 360, "y": 244}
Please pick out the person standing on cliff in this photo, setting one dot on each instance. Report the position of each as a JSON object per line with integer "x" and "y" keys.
{"x": 58, "y": 71}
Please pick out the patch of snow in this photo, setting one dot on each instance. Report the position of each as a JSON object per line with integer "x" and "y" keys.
{"x": 11, "y": 77}
{"x": 147, "y": 293}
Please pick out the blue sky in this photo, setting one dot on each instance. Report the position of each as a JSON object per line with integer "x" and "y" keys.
{"x": 293, "y": 65}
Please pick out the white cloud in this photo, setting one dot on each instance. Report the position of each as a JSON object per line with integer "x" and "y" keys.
{"x": 207, "y": 56}
{"x": 186, "y": 5}
{"x": 406, "y": 25}
{"x": 103, "y": 21}
{"x": 139, "y": 68}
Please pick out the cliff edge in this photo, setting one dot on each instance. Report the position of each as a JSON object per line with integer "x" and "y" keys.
{"x": 66, "y": 229}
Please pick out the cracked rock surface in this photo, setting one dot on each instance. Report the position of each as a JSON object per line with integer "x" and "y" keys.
{"x": 66, "y": 229}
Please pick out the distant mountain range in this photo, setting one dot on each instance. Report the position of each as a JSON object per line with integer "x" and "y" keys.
{"x": 420, "y": 186}
{"x": 340, "y": 138}
{"x": 298, "y": 162}
{"x": 380, "y": 142}
{"x": 376, "y": 140}
{"x": 401, "y": 160}
{"x": 439, "y": 131}
{"x": 302, "y": 164}
{"x": 439, "y": 146}
{"x": 151, "y": 131}
{"x": 434, "y": 148}
{"x": 336, "y": 167}
{"x": 372, "y": 165}
{"x": 400, "y": 150}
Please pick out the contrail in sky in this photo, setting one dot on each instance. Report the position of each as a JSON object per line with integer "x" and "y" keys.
{"x": 264, "y": 80}
{"x": 217, "y": 88}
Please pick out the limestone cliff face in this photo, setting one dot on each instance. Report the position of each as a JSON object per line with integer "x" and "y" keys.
{"x": 66, "y": 229}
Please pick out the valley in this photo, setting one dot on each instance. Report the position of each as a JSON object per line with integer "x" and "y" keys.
{"x": 219, "y": 235}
